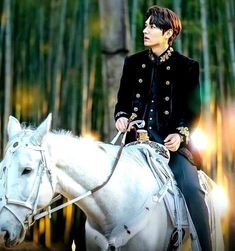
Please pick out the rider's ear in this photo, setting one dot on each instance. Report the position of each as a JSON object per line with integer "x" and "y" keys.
{"x": 13, "y": 127}
{"x": 41, "y": 131}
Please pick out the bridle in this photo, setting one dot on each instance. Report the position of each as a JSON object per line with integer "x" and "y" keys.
{"x": 29, "y": 203}
{"x": 43, "y": 167}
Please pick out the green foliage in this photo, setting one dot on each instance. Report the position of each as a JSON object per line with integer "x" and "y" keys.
{"x": 54, "y": 68}
{"x": 35, "y": 43}
{"x": 35, "y": 47}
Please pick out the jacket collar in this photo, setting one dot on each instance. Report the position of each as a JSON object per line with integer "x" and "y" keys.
{"x": 163, "y": 57}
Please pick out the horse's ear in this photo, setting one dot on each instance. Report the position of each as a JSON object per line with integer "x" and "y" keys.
{"x": 13, "y": 127}
{"x": 41, "y": 131}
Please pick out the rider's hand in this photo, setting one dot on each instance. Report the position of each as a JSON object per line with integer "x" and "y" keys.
{"x": 121, "y": 124}
{"x": 172, "y": 142}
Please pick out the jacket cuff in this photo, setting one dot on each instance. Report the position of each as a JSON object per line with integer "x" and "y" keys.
{"x": 184, "y": 134}
{"x": 121, "y": 114}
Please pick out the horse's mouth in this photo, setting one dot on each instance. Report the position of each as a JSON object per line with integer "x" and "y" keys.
{"x": 9, "y": 243}
{"x": 12, "y": 243}
{"x": 11, "y": 240}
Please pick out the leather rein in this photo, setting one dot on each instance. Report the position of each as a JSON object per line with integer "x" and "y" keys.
{"x": 5, "y": 201}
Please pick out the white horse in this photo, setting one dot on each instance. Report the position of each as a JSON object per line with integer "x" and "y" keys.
{"x": 122, "y": 201}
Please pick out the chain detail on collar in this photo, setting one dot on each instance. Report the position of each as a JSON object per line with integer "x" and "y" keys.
{"x": 162, "y": 58}
{"x": 166, "y": 55}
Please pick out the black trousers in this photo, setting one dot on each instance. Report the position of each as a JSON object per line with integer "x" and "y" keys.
{"x": 187, "y": 179}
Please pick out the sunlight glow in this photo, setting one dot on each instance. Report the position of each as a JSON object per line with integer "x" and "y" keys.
{"x": 89, "y": 137}
{"x": 199, "y": 139}
{"x": 220, "y": 198}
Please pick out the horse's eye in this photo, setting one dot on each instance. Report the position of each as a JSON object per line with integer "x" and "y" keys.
{"x": 27, "y": 170}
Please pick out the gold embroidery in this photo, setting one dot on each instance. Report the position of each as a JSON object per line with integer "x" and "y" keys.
{"x": 166, "y": 55}
{"x": 184, "y": 131}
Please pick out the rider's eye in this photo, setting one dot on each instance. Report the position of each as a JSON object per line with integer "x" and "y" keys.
{"x": 27, "y": 170}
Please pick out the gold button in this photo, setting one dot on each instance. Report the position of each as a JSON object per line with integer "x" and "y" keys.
{"x": 136, "y": 109}
{"x": 166, "y": 112}
{"x": 140, "y": 80}
{"x": 143, "y": 65}
{"x": 137, "y": 95}
{"x": 167, "y": 82}
{"x": 168, "y": 67}
{"x": 167, "y": 98}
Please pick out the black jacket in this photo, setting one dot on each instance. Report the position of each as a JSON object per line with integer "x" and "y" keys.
{"x": 178, "y": 102}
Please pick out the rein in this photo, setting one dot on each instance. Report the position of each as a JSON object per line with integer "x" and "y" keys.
{"x": 43, "y": 166}
{"x": 139, "y": 123}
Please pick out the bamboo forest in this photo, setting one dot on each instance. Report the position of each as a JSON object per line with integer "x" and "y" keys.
{"x": 65, "y": 57}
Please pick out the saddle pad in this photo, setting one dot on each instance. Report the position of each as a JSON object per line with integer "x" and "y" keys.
{"x": 182, "y": 212}
{"x": 157, "y": 159}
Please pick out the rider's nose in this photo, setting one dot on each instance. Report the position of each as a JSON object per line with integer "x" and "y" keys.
{"x": 146, "y": 30}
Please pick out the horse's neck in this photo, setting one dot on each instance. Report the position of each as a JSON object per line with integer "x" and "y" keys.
{"x": 79, "y": 162}
{"x": 81, "y": 166}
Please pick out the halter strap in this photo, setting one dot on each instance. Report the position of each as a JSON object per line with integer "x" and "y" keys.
{"x": 130, "y": 123}
{"x": 34, "y": 216}
{"x": 28, "y": 204}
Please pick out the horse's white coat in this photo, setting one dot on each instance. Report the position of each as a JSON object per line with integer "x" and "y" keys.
{"x": 78, "y": 165}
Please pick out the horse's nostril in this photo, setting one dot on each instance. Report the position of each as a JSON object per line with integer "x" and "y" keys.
{"x": 6, "y": 235}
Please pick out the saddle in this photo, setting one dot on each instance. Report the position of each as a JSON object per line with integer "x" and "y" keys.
{"x": 157, "y": 157}
{"x": 173, "y": 198}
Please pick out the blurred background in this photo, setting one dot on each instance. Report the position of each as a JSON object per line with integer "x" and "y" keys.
{"x": 66, "y": 57}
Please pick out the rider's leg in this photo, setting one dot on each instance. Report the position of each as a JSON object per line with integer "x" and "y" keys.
{"x": 187, "y": 179}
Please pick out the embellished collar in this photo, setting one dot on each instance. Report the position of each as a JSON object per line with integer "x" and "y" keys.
{"x": 163, "y": 57}
{"x": 166, "y": 55}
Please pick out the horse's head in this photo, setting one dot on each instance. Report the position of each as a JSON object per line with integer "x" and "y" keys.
{"x": 26, "y": 181}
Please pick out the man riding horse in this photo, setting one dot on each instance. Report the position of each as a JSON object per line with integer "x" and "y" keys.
{"x": 161, "y": 86}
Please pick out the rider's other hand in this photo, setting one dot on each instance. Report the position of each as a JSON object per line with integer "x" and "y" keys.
{"x": 121, "y": 124}
{"x": 172, "y": 142}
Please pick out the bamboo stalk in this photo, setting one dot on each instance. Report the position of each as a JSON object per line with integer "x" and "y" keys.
{"x": 86, "y": 42}
{"x": 8, "y": 69}
{"x": 57, "y": 73}
{"x": 231, "y": 36}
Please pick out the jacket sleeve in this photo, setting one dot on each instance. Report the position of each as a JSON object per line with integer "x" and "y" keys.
{"x": 191, "y": 108}
{"x": 124, "y": 97}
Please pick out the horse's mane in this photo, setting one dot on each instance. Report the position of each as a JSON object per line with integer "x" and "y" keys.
{"x": 64, "y": 132}
{"x": 60, "y": 132}
{"x": 71, "y": 142}
{"x": 57, "y": 134}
